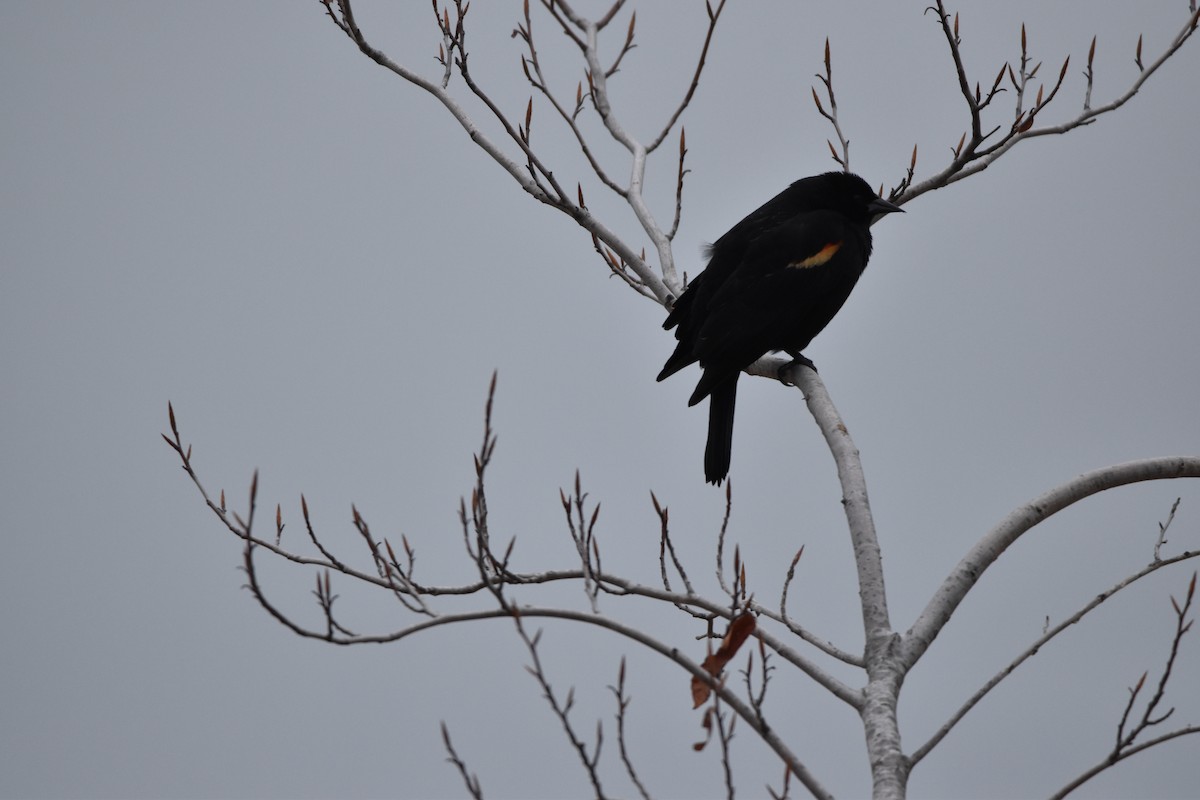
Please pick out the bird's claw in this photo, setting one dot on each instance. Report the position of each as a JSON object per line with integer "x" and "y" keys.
{"x": 797, "y": 361}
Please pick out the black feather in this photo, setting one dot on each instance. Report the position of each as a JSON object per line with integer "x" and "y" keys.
{"x": 773, "y": 282}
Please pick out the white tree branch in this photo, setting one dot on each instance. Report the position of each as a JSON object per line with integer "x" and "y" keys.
{"x": 972, "y": 566}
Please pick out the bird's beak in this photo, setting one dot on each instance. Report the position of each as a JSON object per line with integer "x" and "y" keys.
{"x": 878, "y": 207}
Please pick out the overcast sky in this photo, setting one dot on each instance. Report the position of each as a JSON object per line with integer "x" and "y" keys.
{"x": 227, "y": 206}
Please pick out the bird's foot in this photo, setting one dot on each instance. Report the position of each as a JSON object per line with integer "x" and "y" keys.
{"x": 797, "y": 361}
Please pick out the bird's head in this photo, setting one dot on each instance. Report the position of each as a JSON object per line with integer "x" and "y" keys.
{"x": 846, "y": 193}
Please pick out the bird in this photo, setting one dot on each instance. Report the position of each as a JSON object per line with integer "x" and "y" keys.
{"x": 773, "y": 282}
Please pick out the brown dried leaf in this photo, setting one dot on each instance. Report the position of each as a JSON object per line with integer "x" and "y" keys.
{"x": 739, "y": 630}
{"x": 707, "y": 724}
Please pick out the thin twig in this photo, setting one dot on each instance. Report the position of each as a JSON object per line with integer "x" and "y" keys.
{"x": 970, "y": 156}
{"x": 550, "y": 192}
{"x": 987, "y": 550}
{"x": 1103, "y": 765}
{"x": 1162, "y": 530}
{"x": 843, "y": 159}
{"x": 562, "y": 708}
{"x": 1035, "y": 648}
{"x": 623, "y": 701}
{"x": 470, "y": 780}
{"x": 1125, "y": 744}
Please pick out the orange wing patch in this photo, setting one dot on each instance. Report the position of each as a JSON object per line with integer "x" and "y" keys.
{"x": 818, "y": 258}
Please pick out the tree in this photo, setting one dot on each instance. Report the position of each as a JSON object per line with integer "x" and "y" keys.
{"x": 737, "y": 616}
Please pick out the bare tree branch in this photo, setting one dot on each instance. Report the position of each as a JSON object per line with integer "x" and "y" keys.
{"x": 554, "y": 196}
{"x": 884, "y": 674}
{"x": 973, "y": 157}
{"x": 469, "y": 778}
{"x": 1103, "y": 765}
{"x": 1125, "y": 744}
{"x": 561, "y": 708}
{"x": 1162, "y": 530}
{"x": 1036, "y": 647}
{"x": 972, "y": 566}
{"x": 843, "y": 159}
{"x": 623, "y": 701}
{"x": 887, "y": 655}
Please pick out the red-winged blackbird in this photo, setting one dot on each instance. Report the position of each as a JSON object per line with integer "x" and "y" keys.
{"x": 773, "y": 281}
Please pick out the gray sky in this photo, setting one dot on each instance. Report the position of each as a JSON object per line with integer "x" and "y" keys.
{"x": 227, "y": 206}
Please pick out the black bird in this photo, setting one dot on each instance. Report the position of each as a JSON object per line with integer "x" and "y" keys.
{"x": 773, "y": 281}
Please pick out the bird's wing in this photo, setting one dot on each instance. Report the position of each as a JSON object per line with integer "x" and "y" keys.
{"x": 782, "y": 280}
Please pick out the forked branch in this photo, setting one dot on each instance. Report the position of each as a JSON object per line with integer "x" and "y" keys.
{"x": 1033, "y": 649}
{"x": 980, "y": 146}
{"x": 1127, "y": 744}
{"x": 533, "y": 175}
{"x": 985, "y": 553}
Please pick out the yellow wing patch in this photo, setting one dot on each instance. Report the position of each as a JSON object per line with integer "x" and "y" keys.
{"x": 818, "y": 258}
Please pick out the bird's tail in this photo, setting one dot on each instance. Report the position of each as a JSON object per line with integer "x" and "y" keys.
{"x": 720, "y": 430}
